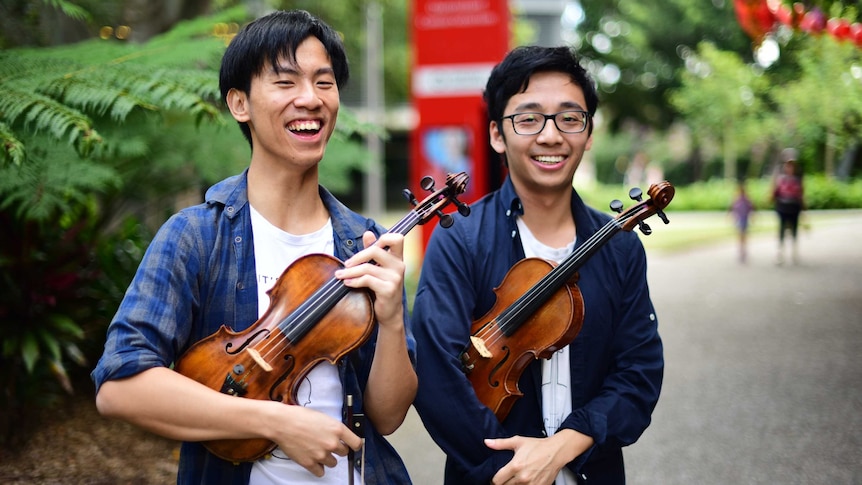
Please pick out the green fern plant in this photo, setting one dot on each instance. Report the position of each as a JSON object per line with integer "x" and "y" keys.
{"x": 97, "y": 137}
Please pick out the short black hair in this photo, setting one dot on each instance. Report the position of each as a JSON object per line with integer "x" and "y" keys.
{"x": 273, "y": 36}
{"x": 512, "y": 76}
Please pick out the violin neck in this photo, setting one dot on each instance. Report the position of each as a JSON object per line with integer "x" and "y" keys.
{"x": 526, "y": 305}
{"x": 406, "y": 224}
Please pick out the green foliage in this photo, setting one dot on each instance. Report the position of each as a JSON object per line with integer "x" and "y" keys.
{"x": 69, "y": 9}
{"x": 821, "y": 193}
{"x": 647, "y": 41}
{"x": 826, "y": 95}
{"x": 102, "y": 141}
{"x": 59, "y": 282}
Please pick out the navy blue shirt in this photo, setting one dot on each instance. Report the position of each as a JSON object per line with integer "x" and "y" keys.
{"x": 199, "y": 274}
{"x": 616, "y": 360}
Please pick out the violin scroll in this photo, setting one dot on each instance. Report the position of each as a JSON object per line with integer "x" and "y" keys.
{"x": 434, "y": 204}
{"x": 660, "y": 196}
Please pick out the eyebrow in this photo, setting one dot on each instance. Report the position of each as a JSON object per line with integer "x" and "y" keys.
{"x": 293, "y": 71}
{"x": 533, "y": 106}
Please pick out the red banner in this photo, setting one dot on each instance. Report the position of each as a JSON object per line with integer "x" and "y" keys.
{"x": 455, "y": 44}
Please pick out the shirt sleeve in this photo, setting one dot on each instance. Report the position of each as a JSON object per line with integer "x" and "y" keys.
{"x": 153, "y": 321}
{"x": 621, "y": 410}
{"x": 442, "y": 319}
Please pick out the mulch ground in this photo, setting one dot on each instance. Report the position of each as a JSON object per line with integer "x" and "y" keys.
{"x": 72, "y": 444}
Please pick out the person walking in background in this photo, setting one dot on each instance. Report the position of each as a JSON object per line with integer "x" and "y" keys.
{"x": 741, "y": 210}
{"x": 788, "y": 200}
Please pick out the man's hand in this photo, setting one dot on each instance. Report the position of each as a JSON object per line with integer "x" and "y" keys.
{"x": 313, "y": 439}
{"x": 385, "y": 278}
{"x": 538, "y": 460}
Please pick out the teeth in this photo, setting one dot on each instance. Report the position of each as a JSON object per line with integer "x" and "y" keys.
{"x": 549, "y": 159}
{"x": 304, "y": 126}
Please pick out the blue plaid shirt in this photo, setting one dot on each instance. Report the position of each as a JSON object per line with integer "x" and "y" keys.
{"x": 199, "y": 274}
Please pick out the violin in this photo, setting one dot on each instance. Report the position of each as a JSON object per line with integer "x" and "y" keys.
{"x": 312, "y": 317}
{"x": 539, "y": 308}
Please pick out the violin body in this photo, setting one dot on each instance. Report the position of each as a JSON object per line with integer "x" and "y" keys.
{"x": 552, "y": 326}
{"x": 262, "y": 363}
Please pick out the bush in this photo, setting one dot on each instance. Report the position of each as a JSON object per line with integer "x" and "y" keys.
{"x": 716, "y": 195}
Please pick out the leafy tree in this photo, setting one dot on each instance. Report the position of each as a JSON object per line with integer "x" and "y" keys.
{"x": 822, "y": 105}
{"x": 721, "y": 98}
{"x": 636, "y": 49}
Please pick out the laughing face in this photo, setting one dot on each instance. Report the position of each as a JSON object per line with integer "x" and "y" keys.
{"x": 291, "y": 110}
{"x": 547, "y": 160}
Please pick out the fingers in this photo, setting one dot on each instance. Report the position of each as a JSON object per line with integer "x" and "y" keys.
{"x": 390, "y": 246}
{"x": 379, "y": 267}
{"x": 315, "y": 441}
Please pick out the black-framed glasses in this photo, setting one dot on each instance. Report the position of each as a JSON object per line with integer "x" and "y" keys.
{"x": 571, "y": 121}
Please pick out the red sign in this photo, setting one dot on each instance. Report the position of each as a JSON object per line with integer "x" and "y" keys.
{"x": 456, "y": 43}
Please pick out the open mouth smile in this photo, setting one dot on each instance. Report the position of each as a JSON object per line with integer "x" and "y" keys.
{"x": 549, "y": 159}
{"x": 305, "y": 127}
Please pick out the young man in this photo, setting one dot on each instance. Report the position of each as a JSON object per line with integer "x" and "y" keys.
{"x": 597, "y": 394}
{"x": 211, "y": 265}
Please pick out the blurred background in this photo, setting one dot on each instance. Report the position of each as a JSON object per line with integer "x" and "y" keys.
{"x": 110, "y": 121}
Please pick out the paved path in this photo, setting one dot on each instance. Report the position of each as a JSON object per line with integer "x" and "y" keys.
{"x": 763, "y": 383}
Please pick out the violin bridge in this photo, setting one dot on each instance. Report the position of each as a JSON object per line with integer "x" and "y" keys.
{"x": 479, "y": 345}
{"x": 258, "y": 359}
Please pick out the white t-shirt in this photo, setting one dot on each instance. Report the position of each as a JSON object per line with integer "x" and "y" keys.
{"x": 275, "y": 250}
{"x": 556, "y": 376}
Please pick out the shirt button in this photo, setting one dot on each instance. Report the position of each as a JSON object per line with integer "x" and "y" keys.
{"x": 240, "y": 286}
{"x": 349, "y": 243}
{"x": 230, "y": 209}
{"x": 237, "y": 239}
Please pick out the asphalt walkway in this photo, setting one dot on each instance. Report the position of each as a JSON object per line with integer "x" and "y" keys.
{"x": 763, "y": 379}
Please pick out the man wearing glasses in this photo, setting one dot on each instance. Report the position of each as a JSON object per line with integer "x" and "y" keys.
{"x": 593, "y": 396}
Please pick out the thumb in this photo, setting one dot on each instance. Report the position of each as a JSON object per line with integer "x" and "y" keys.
{"x": 502, "y": 443}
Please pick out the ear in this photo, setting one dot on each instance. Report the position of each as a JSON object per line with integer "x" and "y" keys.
{"x": 498, "y": 140}
{"x": 237, "y": 103}
{"x": 589, "y": 143}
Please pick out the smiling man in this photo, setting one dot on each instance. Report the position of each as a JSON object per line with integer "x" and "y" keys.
{"x": 593, "y": 396}
{"x": 213, "y": 264}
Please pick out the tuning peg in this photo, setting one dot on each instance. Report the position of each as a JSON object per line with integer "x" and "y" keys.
{"x": 463, "y": 208}
{"x": 662, "y": 216}
{"x": 410, "y": 197}
{"x": 644, "y": 227}
{"x": 427, "y": 183}
{"x": 446, "y": 220}
{"x": 636, "y": 194}
{"x": 617, "y": 206}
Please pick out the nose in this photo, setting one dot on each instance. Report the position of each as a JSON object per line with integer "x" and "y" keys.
{"x": 308, "y": 97}
{"x": 550, "y": 133}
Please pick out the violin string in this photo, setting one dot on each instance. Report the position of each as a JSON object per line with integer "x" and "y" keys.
{"x": 511, "y": 316}
{"x": 293, "y": 326}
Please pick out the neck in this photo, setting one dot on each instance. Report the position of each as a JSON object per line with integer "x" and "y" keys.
{"x": 288, "y": 200}
{"x": 549, "y": 217}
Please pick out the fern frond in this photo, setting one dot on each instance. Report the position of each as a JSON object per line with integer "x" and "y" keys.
{"x": 13, "y": 148}
{"x": 95, "y": 96}
{"x": 43, "y": 114}
{"x": 70, "y": 10}
{"x": 50, "y": 184}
